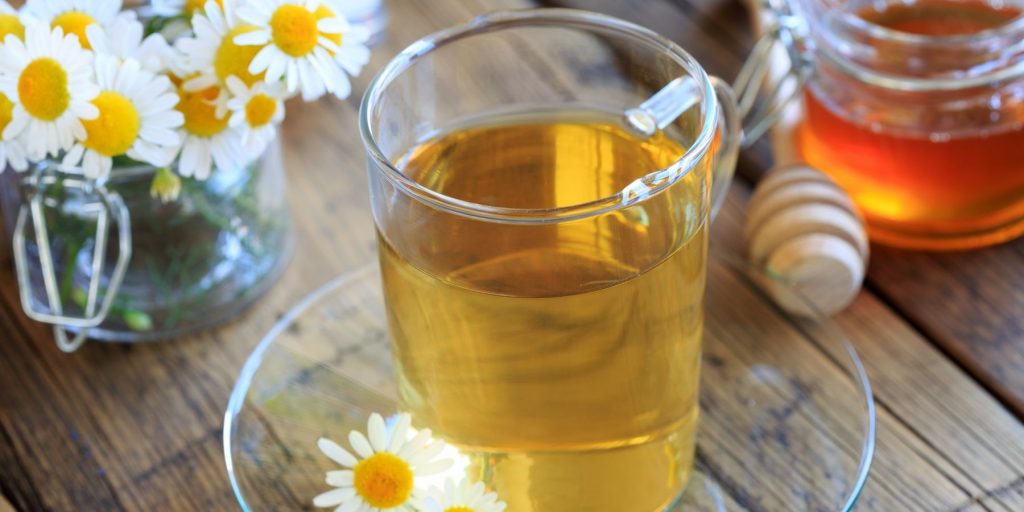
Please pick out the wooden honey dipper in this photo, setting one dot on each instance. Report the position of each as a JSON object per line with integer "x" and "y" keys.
{"x": 804, "y": 230}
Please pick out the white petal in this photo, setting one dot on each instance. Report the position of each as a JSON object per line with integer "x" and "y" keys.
{"x": 336, "y": 453}
{"x": 160, "y": 136}
{"x": 355, "y": 505}
{"x": 330, "y": 498}
{"x": 19, "y": 120}
{"x": 262, "y": 59}
{"x": 85, "y": 110}
{"x": 332, "y": 25}
{"x": 435, "y": 467}
{"x": 378, "y": 433}
{"x": 278, "y": 66}
{"x": 353, "y": 58}
{"x": 199, "y": 83}
{"x": 400, "y": 432}
{"x": 74, "y": 157}
{"x": 254, "y": 38}
{"x": 236, "y": 86}
{"x": 292, "y": 75}
{"x": 360, "y": 444}
{"x": 340, "y": 478}
{"x": 166, "y": 119}
{"x": 415, "y": 445}
{"x": 427, "y": 453}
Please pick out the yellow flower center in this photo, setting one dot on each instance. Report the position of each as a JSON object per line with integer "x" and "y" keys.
{"x": 459, "y": 509}
{"x": 10, "y": 24}
{"x": 191, "y": 6}
{"x": 232, "y": 59}
{"x": 383, "y": 480}
{"x": 323, "y": 12}
{"x": 114, "y": 131}
{"x": 200, "y": 112}
{"x": 294, "y": 30}
{"x": 74, "y": 22}
{"x": 43, "y": 89}
{"x": 260, "y": 110}
{"x": 6, "y": 107}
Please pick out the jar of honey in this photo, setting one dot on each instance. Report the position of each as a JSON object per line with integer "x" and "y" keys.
{"x": 916, "y": 107}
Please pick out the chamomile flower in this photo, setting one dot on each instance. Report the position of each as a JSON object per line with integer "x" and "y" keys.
{"x": 385, "y": 475}
{"x": 166, "y": 186}
{"x": 212, "y": 53}
{"x": 464, "y": 497}
{"x": 256, "y": 111}
{"x": 304, "y": 42}
{"x": 123, "y": 38}
{"x": 136, "y": 118}
{"x": 11, "y": 150}
{"x": 74, "y": 16}
{"x": 207, "y": 140}
{"x": 49, "y": 80}
{"x": 10, "y": 22}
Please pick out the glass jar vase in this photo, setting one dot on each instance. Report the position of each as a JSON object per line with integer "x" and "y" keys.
{"x": 917, "y": 109}
{"x": 174, "y": 266}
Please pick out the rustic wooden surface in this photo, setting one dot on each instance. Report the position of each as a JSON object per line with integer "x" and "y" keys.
{"x": 116, "y": 427}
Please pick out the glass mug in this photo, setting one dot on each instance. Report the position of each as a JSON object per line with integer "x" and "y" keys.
{"x": 544, "y": 255}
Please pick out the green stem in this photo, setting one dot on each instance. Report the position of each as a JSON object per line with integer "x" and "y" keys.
{"x": 67, "y": 281}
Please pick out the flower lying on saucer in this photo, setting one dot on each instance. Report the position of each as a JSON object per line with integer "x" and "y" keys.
{"x": 386, "y": 471}
{"x": 464, "y": 497}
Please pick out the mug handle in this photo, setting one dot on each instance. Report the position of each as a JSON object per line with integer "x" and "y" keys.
{"x": 729, "y": 137}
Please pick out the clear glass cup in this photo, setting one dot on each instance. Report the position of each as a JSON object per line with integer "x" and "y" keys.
{"x": 543, "y": 257}
{"x": 917, "y": 109}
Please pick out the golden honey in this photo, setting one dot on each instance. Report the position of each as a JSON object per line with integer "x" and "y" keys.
{"x": 958, "y": 186}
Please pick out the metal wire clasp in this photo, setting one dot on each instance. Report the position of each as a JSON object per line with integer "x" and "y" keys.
{"x": 784, "y": 38}
{"x": 107, "y": 207}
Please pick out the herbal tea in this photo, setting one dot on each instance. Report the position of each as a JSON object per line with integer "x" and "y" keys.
{"x": 564, "y": 357}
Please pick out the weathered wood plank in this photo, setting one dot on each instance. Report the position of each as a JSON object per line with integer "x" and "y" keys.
{"x": 970, "y": 303}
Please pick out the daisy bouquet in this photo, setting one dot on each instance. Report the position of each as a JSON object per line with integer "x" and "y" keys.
{"x": 174, "y": 106}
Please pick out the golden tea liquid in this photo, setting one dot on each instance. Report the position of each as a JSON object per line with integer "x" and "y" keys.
{"x": 563, "y": 357}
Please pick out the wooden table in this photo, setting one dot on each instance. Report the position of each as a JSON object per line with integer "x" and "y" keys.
{"x": 119, "y": 427}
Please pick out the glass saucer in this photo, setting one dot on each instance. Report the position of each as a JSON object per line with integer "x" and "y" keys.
{"x": 787, "y": 420}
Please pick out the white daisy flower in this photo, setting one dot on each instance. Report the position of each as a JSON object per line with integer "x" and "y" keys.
{"x": 306, "y": 43}
{"x": 11, "y": 150}
{"x": 73, "y": 16}
{"x": 464, "y": 497}
{"x": 136, "y": 118}
{"x": 212, "y": 53}
{"x": 10, "y": 22}
{"x": 49, "y": 78}
{"x": 256, "y": 111}
{"x": 123, "y": 38}
{"x": 386, "y": 475}
{"x": 207, "y": 140}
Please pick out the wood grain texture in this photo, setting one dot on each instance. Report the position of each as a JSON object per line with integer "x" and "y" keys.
{"x": 970, "y": 303}
{"x": 138, "y": 427}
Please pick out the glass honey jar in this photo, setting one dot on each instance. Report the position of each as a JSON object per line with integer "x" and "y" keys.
{"x": 917, "y": 108}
